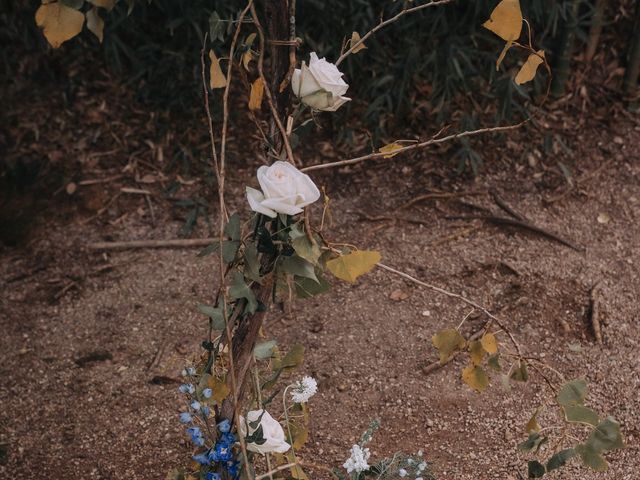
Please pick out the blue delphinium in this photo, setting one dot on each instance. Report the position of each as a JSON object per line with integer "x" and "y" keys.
{"x": 201, "y": 458}
{"x": 213, "y": 476}
{"x": 196, "y": 436}
{"x": 224, "y": 426}
{"x": 206, "y": 393}
{"x": 233, "y": 467}
{"x": 195, "y": 405}
{"x": 187, "y": 388}
{"x": 185, "y": 417}
{"x": 205, "y": 410}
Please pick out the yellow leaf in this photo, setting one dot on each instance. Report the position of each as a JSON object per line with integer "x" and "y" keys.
{"x": 95, "y": 24}
{"x": 59, "y": 22}
{"x": 447, "y": 341}
{"x": 506, "y": 20}
{"x": 532, "y": 424}
{"x": 475, "y": 377}
{"x": 246, "y": 59}
{"x": 219, "y": 389}
{"x": 391, "y": 149}
{"x": 216, "y": 77}
{"x": 476, "y": 352}
{"x": 255, "y": 98}
{"x": 355, "y": 38}
{"x": 489, "y": 343}
{"x": 504, "y": 51}
{"x": 296, "y": 471}
{"x": 528, "y": 70}
{"x": 108, "y": 4}
{"x": 349, "y": 267}
{"x": 299, "y": 435}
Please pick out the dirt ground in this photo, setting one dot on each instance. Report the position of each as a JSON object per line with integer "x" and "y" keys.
{"x": 93, "y": 342}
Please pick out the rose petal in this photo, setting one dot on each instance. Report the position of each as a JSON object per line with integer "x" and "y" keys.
{"x": 286, "y": 205}
{"x": 308, "y": 191}
{"x": 303, "y": 82}
{"x": 256, "y": 198}
{"x": 337, "y": 104}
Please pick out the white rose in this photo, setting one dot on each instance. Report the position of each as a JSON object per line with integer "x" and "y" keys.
{"x": 272, "y": 432}
{"x": 320, "y": 85}
{"x": 285, "y": 189}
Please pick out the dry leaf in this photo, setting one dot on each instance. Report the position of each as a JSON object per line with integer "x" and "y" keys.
{"x": 108, "y": 4}
{"x": 489, "y": 343}
{"x": 398, "y": 295}
{"x": 447, "y": 341}
{"x": 528, "y": 70}
{"x": 255, "y": 98}
{"x": 603, "y": 218}
{"x": 349, "y": 267}
{"x": 476, "y": 352}
{"x": 355, "y": 38}
{"x": 506, "y": 20}
{"x": 216, "y": 77}
{"x": 391, "y": 149}
{"x": 475, "y": 377}
{"x": 95, "y": 24}
{"x": 59, "y": 22}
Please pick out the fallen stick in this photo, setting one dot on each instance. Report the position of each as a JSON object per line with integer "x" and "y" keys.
{"x": 595, "y": 314}
{"x": 173, "y": 243}
{"x": 522, "y": 224}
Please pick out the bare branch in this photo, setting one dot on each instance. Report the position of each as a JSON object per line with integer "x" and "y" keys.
{"x": 415, "y": 146}
{"x": 389, "y": 21}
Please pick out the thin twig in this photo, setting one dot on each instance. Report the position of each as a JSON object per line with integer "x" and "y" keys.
{"x": 292, "y": 46}
{"x": 384, "y": 23}
{"x": 267, "y": 89}
{"x": 595, "y": 313}
{"x": 459, "y": 297}
{"x": 415, "y": 146}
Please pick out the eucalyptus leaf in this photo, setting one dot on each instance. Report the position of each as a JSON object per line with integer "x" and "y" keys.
{"x": 264, "y": 350}
{"x": 535, "y": 469}
{"x": 591, "y": 457}
{"x": 251, "y": 262}
{"x": 306, "y": 288}
{"x": 560, "y": 459}
{"x": 209, "y": 249}
{"x": 229, "y": 250}
{"x": 239, "y": 289}
{"x": 295, "y": 265}
{"x": 580, "y": 414}
{"x": 215, "y": 314}
{"x": 606, "y": 436}
{"x": 573, "y": 393}
{"x": 232, "y": 228}
{"x": 533, "y": 443}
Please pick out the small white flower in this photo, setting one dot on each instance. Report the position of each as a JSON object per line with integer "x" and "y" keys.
{"x": 304, "y": 389}
{"x": 357, "y": 462}
{"x": 402, "y": 472}
{"x": 420, "y": 453}
{"x": 419, "y": 478}
{"x": 422, "y": 466}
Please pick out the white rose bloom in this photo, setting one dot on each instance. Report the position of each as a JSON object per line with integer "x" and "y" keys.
{"x": 320, "y": 85}
{"x": 272, "y": 432}
{"x": 285, "y": 189}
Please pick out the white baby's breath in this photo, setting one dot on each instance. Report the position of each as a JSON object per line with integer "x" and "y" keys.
{"x": 357, "y": 462}
{"x": 304, "y": 389}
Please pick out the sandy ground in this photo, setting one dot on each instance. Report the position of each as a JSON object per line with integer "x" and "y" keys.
{"x": 86, "y": 333}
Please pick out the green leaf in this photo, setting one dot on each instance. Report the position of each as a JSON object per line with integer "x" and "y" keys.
{"x": 494, "y": 362}
{"x": 535, "y": 469}
{"x": 209, "y": 249}
{"x": 306, "y": 288}
{"x": 76, "y": 4}
{"x": 232, "y": 228}
{"x": 350, "y": 266}
{"x": 216, "y": 27}
{"x": 533, "y": 443}
{"x": 591, "y": 457}
{"x": 295, "y": 265}
{"x": 580, "y": 414}
{"x": 252, "y": 262}
{"x": 447, "y": 341}
{"x": 239, "y": 289}
{"x": 264, "y": 349}
{"x": 606, "y": 436}
{"x": 303, "y": 246}
{"x": 215, "y": 314}
{"x": 519, "y": 373}
{"x": 573, "y": 393}
{"x": 560, "y": 459}
{"x": 229, "y": 250}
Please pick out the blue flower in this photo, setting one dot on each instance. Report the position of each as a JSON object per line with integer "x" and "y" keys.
{"x": 233, "y": 467}
{"x": 205, "y": 410}
{"x": 206, "y": 393}
{"x": 228, "y": 439}
{"x": 212, "y": 476}
{"x": 201, "y": 458}
{"x": 224, "y": 426}
{"x": 196, "y": 436}
{"x": 185, "y": 417}
{"x": 195, "y": 405}
{"x": 222, "y": 452}
{"x": 187, "y": 388}
{"x": 191, "y": 371}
